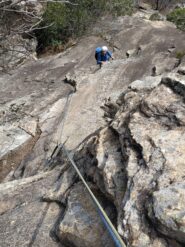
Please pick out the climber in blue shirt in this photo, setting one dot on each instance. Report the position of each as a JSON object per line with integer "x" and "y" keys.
{"x": 102, "y": 55}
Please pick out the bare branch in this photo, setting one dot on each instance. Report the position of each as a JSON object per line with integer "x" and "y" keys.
{"x": 19, "y": 19}
{"x": 59, "y": 1}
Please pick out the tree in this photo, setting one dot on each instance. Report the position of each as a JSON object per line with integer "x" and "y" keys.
{"x": 18, "y": 20}
{"x": 71, "y": 21}
{"x": 52, "y": 21}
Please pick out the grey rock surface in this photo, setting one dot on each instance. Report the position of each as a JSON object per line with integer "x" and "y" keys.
{"x": 154, "y": 126}
{"x": 126, "y": 133}
{"x": 26, "y": 220}
{"x": 168, "y": 211}
{"x": 81, "y": 225}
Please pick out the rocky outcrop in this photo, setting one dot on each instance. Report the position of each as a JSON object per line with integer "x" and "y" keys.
{"x": 167, "y": 211}
{"x": 147, "y": 159}
{"x": 125, "y": 125}
{"x": 81, "y": 225}
{"x": 25, "y": 219}
{"x": 154, "y": 126}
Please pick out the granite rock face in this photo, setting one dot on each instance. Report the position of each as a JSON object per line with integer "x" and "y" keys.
{"x": 151, "y": 135}
{"x": 144, "y": 148}
{"x": 81, "y": 225}
{"x": 25, "y": 219}
{"x": 125, "y": 125}
{"x": 168, "y": 210}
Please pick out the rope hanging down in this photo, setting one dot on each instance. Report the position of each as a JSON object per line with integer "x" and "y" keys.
{"x": 59, "y": 145}
{"x": 105, "y": 219}
{"x": 108, "y": 224}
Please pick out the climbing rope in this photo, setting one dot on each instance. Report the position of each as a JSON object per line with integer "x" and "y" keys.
{"x": 59, "y": 145}
{"x": 66, "y": 108}
{"x": 104, "y": 217}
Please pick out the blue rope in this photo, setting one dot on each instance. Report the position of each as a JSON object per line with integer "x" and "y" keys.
{"x": 105, "y": 219}
{"x": 116, "y": 241}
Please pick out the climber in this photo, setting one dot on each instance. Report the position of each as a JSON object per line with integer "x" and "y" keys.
{"x": 102, "y": 55}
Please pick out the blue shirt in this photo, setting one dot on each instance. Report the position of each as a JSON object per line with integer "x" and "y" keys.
{"x": 103, "y": 57}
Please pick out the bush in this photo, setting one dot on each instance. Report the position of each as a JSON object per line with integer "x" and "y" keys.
{"x": 65, "y": 21}
{"x": 180, "y": 54}
{"x": 119, "y": 7}
{"x": 156, "y": 17}
{"x": 178, "y": 17}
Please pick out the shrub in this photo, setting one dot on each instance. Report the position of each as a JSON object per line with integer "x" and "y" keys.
{"x": 156, "y": 17}
{"x": 178, "y": 17}
{"x": 180, "y": 54}
{"x": 65, "y": 21}
{"x": 119, "y": 7}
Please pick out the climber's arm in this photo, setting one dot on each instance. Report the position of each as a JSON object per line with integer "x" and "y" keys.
{"x": 110, "y": 55}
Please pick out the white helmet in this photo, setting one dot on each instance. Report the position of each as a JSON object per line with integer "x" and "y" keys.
{"x": 104, "y": 48}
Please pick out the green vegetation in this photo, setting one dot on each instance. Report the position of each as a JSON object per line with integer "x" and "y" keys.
{"x": 180, "y": 54}
{"x": 66, "y": 21}
{"x": 178, "y": 17}
{"x": 155, "y": 17}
